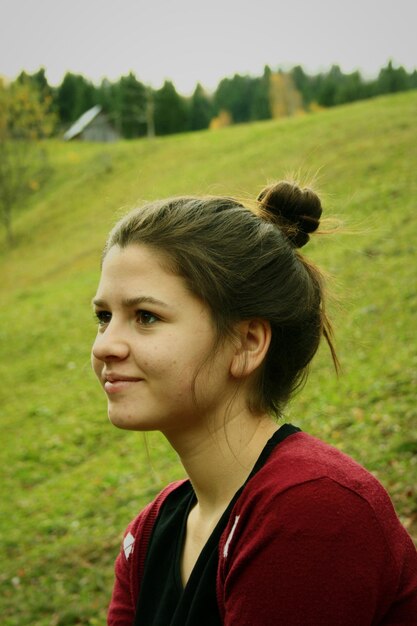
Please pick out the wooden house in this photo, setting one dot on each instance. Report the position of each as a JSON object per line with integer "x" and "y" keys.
{"x": 93, "y": 125}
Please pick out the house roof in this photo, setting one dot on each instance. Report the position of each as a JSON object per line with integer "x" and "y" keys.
{"x": 82, "y": 122}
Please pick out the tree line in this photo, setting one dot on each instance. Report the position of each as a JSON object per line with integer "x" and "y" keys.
{"x": 31, "y": 109}
{"x": 136, "y": 110}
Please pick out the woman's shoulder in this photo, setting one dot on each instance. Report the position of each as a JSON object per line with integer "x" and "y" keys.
{"x": 310, "y": 519}
{"x": 309, "y": 487}
{"x": 308, "y": 478}
{"x": 303, "y": 458}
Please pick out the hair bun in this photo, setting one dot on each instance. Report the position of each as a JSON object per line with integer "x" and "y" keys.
{"x": 295, "y": 210}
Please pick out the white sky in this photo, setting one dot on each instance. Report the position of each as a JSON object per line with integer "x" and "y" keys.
{"x": 189, "y": 40}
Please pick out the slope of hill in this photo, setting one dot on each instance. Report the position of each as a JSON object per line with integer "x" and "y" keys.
{"x": 70, "y": 481}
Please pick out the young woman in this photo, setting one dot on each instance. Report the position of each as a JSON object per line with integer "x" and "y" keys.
{"x": 208, "y": 316}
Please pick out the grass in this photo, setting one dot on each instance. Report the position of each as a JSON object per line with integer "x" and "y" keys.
{"x": 70, "y": 482}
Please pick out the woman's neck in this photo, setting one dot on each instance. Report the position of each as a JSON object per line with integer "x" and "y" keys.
{"x": 219, "y": 460}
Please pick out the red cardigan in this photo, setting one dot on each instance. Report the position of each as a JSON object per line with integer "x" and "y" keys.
{"x": 313, "y": 540}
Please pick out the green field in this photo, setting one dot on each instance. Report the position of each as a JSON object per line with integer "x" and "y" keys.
{"x": 70, "y": 481}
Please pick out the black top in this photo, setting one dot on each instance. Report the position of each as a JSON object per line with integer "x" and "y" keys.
{"x": 163, "y": 601}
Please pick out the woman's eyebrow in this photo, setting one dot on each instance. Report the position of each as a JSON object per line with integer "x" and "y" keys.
{"x": 132, "y": 302}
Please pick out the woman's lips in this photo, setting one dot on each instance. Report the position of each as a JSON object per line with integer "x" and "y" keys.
{"x": 114, "y": 384}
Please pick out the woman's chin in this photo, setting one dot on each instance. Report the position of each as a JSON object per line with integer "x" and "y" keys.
{"x": 129, "y": 422}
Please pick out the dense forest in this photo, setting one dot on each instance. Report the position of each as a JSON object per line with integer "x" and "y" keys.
{"x": 137, "y": 110}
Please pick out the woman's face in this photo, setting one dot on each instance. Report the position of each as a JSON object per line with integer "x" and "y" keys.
{"x": 154, "y": 339}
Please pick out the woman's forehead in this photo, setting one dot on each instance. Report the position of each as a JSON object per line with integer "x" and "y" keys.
{"x": 138, "y": 272}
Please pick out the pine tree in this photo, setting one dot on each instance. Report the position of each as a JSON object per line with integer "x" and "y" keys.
{"x": 132, "y": 106}
{"x": 201, "y": 109}
{"x": 391, "y": 79}
{"x": 260, "y": 108}
{"x": 74, "y": 97}
{"x": 170, "y": 111}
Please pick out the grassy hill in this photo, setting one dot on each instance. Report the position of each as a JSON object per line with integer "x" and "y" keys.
{"x": 70, "y": 481}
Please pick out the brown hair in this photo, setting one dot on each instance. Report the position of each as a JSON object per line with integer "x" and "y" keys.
{"x": 244, "y": 263}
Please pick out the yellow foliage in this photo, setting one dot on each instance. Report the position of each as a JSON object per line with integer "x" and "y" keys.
{"x": 223, "y": 119}
{"x": 33, "y": 185}
{"x": 285, "y": 99}
{"x": 24, "y": 118}
{"x": 314, "y": 107}
{"x": 23, "y": 114}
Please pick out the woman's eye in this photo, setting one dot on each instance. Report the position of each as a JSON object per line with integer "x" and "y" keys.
{"x": 145, "y": 318}
{"x": 103, "y": 317}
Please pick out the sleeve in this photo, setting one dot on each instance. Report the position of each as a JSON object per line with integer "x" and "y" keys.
{"x": 122, "y": 608}
{"x": 315, "y": 554}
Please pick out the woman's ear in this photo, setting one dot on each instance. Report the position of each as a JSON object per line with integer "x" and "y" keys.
{"x": 254, "y": 337}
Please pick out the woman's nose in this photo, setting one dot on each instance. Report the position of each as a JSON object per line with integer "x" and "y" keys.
{"x": 110, "y": 344}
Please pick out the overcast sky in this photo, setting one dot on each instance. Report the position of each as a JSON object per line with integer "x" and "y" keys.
{"x": 189, "y": 40}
